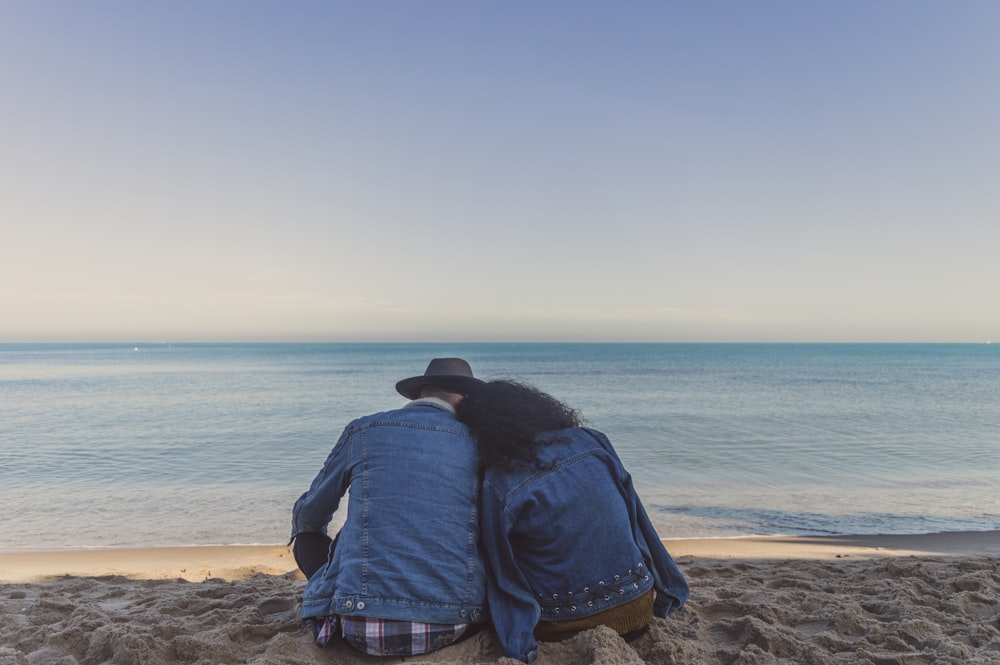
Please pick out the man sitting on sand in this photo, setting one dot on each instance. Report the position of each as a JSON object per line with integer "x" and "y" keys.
{"x": 405, "y": 575}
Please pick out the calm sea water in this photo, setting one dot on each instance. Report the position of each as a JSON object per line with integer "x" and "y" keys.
{"x": 154, "y": 445}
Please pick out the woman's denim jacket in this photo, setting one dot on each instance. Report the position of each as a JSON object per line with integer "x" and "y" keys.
{"x": 409, "y": 548}
{"x": 568, "y": 540}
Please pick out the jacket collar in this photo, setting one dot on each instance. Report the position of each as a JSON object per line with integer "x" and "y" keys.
{"x": 434, "y": 401}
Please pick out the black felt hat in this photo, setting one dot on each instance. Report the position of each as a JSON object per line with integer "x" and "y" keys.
{"x": 452, "y": 374}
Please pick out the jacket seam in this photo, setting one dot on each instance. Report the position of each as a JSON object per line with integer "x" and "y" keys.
{"x": 542, "y": 474}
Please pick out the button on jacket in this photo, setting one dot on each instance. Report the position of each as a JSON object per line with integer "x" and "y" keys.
{"x": 570, "y": 540}
{"x": 409, "y": 548}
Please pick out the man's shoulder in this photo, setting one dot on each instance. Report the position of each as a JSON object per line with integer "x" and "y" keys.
{"x": 411, "y": 415}
{"x": 378, "y": 417}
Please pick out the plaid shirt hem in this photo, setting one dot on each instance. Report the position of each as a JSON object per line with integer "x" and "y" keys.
{"x": 387, "y": 637}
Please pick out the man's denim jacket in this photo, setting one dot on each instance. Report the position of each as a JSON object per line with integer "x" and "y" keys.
{"x": 409, "y": 548}
{"x": 569, "y": 540}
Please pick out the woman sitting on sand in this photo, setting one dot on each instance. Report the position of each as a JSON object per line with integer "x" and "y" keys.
{"x": 568, "y": 541}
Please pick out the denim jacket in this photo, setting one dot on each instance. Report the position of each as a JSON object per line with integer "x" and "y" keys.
{"x": 409, "y": 548}
{"x": 570, "y": 540}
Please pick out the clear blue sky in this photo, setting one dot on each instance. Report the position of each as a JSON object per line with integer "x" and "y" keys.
{"x": 430, "y": 170}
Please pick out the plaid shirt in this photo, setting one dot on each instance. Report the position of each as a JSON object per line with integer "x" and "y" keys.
{"x": 387, "y": 637}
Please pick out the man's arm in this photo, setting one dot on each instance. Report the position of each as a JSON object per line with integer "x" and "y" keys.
{"x": 314, "y": 509}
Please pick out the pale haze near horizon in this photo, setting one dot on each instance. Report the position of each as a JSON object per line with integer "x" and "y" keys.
{"x": 516, "y": 171}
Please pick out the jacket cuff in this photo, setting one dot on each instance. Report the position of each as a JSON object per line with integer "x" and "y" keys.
{"x": 660, "y": 606}
{"x": 531, "y": 655}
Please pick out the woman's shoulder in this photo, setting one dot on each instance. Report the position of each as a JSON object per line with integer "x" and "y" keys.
{"x": 561, "y": 447}
{"x": 562, "y": 456}
{"x": 585, "y": 437}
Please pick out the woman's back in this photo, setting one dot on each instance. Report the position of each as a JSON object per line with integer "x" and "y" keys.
{"x": 569, "y": 544}
{"x": 568, "y": 524}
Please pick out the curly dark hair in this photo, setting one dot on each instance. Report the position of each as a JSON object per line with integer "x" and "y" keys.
{"x": 507, "y": 417}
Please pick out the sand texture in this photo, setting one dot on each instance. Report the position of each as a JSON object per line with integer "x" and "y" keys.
{"x": 879, "y": 610}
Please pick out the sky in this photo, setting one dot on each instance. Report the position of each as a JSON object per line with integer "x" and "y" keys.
{"x": 443, "y": 170}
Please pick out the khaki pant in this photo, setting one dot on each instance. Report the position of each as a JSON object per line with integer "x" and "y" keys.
{"x": 624, "y": 619}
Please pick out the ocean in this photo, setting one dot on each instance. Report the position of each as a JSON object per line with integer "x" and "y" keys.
{"x": 115, "y": 445}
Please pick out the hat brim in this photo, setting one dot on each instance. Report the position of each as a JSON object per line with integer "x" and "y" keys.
{"x": 410, "y": 388}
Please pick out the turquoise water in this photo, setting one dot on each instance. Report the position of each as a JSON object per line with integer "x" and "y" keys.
{"x": 151, "y": 445}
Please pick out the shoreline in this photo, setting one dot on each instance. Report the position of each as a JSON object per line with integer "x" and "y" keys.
{"x": 197, "y": 563}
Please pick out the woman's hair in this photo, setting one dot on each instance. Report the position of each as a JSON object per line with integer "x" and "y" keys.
{"x": 506, "y": 417}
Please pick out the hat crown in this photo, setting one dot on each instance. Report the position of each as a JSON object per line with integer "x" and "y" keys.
{"x": 448, "y": 367}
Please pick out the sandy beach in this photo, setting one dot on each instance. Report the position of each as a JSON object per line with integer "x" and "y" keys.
{"x": 871, "y": 599}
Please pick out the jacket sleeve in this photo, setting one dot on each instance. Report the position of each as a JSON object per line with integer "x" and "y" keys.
{"x": 513, "y": 608}
{"x": 671, "y": 588}
{"x": 313, "y": 510}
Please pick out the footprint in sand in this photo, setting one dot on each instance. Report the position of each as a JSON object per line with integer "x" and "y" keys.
{"x": 273, "y": 606}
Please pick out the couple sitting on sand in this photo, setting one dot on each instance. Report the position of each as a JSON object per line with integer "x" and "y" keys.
{"x": 477, "y": 503}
